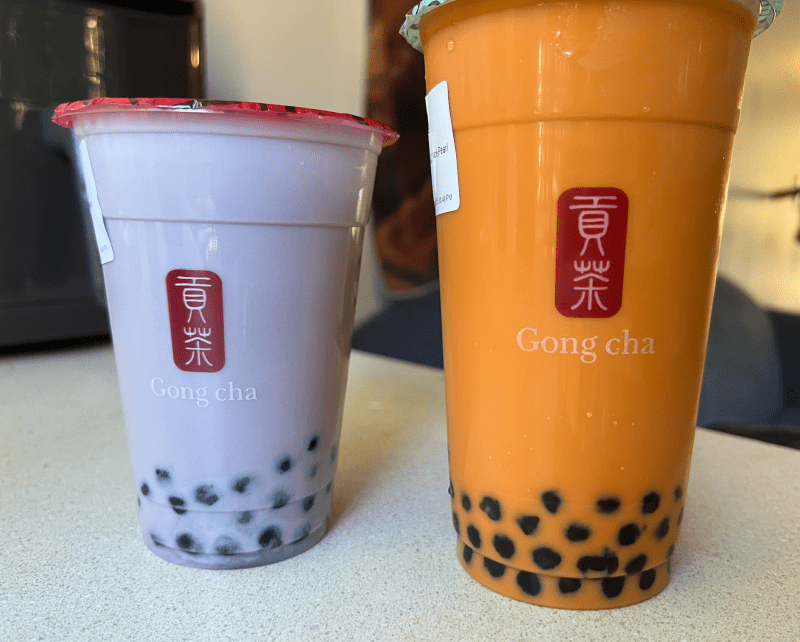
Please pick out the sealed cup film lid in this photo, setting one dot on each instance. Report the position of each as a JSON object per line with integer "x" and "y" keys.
{"x": 765, "y": 10}
{"x": 64, "y": 113}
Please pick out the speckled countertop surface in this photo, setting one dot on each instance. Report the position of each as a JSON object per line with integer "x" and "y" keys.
{"x": 73, "y": 565}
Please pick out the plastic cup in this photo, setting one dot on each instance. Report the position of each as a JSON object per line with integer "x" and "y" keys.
{"x": 236, "y": 231}
{"x": 592, "y": 146}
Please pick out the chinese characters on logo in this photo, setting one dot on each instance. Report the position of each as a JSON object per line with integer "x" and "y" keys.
{"x": 194, "y": 298}
{"x": 590, "y": 251}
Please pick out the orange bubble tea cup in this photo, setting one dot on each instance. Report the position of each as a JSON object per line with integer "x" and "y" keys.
{"x": 580, "y": 154}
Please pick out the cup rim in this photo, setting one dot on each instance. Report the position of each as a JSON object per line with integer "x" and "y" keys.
{"x": 64, "y": 113}
{"x": 765, "y": 12}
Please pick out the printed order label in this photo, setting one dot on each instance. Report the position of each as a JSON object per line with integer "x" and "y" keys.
{"x": 100, "y": 233}
{"x": 591, "y": 232}
{"x": 444, "y": 167}
{"x": 194, "y": 298}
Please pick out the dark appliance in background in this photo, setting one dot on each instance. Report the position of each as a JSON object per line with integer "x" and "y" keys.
{"x": 55, "y": 51}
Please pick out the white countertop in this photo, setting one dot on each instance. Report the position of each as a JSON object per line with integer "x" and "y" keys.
{"x": 73, "y": 565}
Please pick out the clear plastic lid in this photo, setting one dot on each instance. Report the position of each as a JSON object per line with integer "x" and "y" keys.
{"x": 765, "y": 10}
{"x": 64, "y": 113}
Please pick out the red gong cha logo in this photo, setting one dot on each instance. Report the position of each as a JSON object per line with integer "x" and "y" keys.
{"x": 194, "y": 298}
{"x": 591, "y": 231}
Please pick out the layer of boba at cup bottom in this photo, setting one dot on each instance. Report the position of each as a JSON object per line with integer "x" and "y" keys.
{"x": 564, "y": 592}
{"x": 239, "y": 560}
{"x": 192, "y": 535}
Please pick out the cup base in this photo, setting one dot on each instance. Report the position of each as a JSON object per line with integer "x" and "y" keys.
{"x": 564, "y": 592}
{"x": 239, "y": 560}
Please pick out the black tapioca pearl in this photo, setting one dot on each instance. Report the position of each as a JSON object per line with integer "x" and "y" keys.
{"x": 334, "y": 452}
{"x": 577, "y": 533}
{"x": 285, "y": 464}
{"x": 608, "y": 562}
{"x": 528, "y": 524}
{"x": 647, "y": 578}
{"x": 456, "y": 524}
{"x": 178, "y": 505}
{"x": 206, "y": 494}
{"x": 491, "y": 507}
{"x": 280, "y": 498}
{"x": 145, "y": 489}
{"x": 608, "y": 505}
{"x": 628, "y": 534}
{"x": 680, "y": 517}
{"x": 270, "y": 537}
{"x": 504, "y": 546}
{"x": 225, "y": 545}
{"x": 546, "y": 558}
{"x": 569, "y": 585}
{"x": 636, "y": 564}
{"x": 241, "y": 484}
{"x": 650, "y": 503}
{"x": 474, "y": 536}
{"x": 466, "y": 502}
{"x": 612, "y": 586}
{"x": 162, "y": 476}
{"x": 245, "y": 517}
{"x": 467, "y": 554}
{"x": 529, "y": 583}
{"x": 184, "y": 541}
{"x": 678, "y": 492}
{"x": 662, "y": 529}
{"x": 313, "y": 443}
{"x": 552, "y": 501}
{"x": 308, "y": 503}
{"x": 495, "y": 569}
{"x": 187, "y": 543}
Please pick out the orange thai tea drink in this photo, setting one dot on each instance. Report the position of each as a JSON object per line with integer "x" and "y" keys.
{"x": 580, "y": 154}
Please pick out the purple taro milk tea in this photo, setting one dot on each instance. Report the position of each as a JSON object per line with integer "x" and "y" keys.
{"x": 230, "y": 235}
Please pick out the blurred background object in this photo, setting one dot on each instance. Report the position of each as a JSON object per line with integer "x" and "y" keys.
{"x": 759, "y": 250}
{"x": 54, "y": 51}
{"x": 403, "y": 212}
{"x": 408, "y": 325}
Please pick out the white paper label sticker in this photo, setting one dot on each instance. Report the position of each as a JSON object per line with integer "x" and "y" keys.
{"x": 444, "y": 168}
{"x": 100, "y": 234}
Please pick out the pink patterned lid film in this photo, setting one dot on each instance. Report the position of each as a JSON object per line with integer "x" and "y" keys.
{"x": 64, "y": 113}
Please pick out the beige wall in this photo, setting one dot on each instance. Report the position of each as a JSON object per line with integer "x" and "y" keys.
{"x": 759, "y": 251}
{"x": 309, "y": 53}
